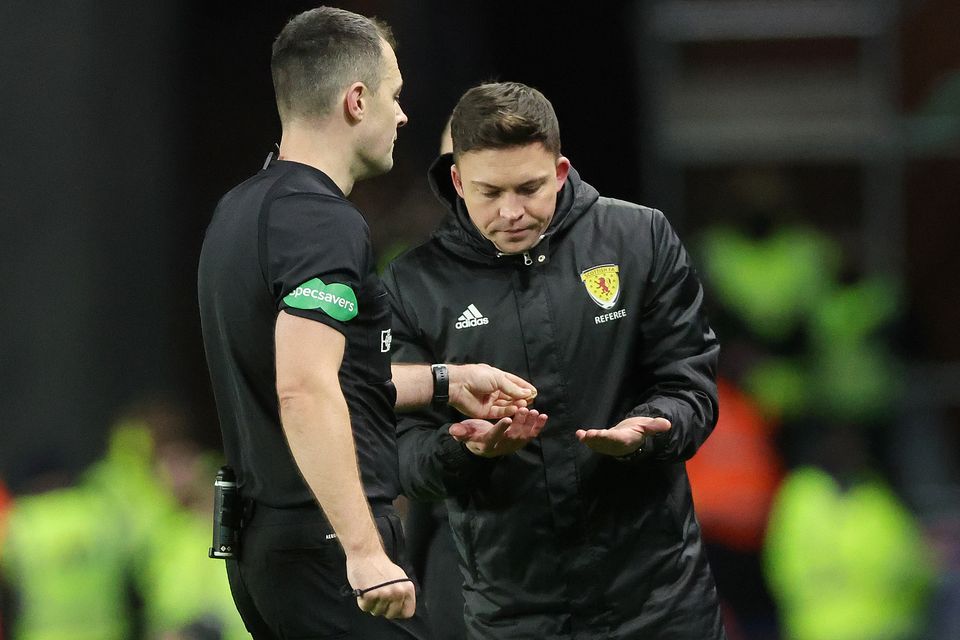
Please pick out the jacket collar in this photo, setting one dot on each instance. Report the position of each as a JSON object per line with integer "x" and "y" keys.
{"x": 458, "y": 234}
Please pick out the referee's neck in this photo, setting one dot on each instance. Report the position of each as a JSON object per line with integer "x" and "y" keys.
{"x": 321, "y": 147}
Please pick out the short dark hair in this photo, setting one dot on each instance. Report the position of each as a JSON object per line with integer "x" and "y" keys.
{"x": 498, "y": 115}
{"x": 319, "y": 52}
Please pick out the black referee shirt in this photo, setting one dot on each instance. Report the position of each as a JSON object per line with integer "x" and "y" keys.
{"x": 287, "y": 239}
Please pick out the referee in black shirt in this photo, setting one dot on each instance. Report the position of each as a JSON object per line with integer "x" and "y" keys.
{"x": 296, "y": 329}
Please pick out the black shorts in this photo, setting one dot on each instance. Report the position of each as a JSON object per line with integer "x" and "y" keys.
{"x": 287, "y": 583}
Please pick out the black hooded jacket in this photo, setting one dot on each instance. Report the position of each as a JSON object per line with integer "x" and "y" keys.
{"x": 557, "y": 541}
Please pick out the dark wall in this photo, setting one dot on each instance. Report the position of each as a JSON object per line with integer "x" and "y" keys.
{"x": 89, "y": 236}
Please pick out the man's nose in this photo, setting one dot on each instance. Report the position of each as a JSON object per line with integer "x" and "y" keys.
{"x": 401, "y": 117}
{"x": 512, "y": 208}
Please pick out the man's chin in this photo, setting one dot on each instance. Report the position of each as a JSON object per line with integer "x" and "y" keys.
{"x": 373, "y": 169}
{"x": 511, "y": 247}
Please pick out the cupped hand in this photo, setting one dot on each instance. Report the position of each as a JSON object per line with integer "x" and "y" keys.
{"x": 506, "y": 436}
{"x": 624, "y": 437}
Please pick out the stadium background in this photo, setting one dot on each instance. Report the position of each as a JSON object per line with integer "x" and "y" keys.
{"x": 122, "y": 123}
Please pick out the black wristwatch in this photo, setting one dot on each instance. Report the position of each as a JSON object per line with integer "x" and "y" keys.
{"x": 441, "y": 385}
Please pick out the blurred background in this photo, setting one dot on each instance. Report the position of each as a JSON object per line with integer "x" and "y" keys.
{"x": 807, "y": 151}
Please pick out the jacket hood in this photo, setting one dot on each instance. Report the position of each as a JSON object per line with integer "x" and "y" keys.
{"x": 458, "y": 234}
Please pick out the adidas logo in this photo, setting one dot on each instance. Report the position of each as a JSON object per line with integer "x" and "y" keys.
{"x": 471, "y": 317}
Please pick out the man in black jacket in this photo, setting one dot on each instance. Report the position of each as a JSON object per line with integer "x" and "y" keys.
{"x": 586, "y": 529}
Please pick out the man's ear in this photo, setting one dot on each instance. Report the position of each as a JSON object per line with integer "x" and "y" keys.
{"x": 457, "y": 180}
{"x": 355, "y": 101}
{"x": 563, "y": 170}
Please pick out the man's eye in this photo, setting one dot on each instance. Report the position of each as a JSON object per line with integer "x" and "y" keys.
{"x": 490, "y": 194}
{"x": 527, "y": 191}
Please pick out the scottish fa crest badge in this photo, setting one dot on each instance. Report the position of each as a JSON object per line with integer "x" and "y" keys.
{"x": 603, "y": 284}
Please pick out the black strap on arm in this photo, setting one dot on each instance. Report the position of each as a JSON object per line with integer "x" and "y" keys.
{"x": 347, "y": 592}
{"x": 441, "y": 385}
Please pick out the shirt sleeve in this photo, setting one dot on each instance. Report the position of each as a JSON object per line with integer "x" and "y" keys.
{"x": 316, "y": 256}
{"x": 680, "y": 351}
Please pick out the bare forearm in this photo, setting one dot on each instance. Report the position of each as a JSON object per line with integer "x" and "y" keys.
{"x": 475, "y": 390}
{"x": 316, "y": 422}
{"x": 318, "y": 430}
{"x": 414, "y": 384}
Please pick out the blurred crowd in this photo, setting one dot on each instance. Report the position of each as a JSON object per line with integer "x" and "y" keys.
{"x": 118, "y": 551}
{"x": 807, "y": 533}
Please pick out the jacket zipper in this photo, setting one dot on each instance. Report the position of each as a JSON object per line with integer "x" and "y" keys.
{"x": 527, "y": 260}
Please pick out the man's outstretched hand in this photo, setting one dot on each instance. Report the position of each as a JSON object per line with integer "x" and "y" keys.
{"x": 623, "y": 438}
{"x": 482, "y": 391}
{"x": 506, "y": 436}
